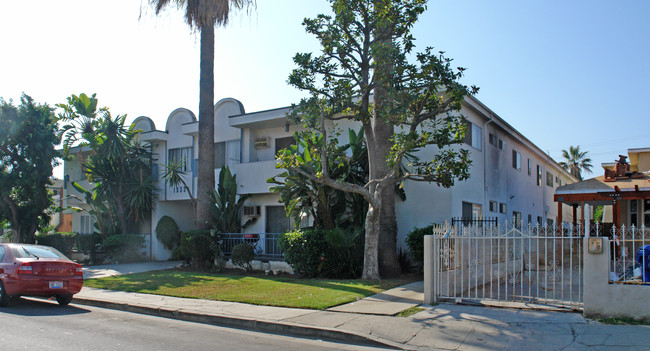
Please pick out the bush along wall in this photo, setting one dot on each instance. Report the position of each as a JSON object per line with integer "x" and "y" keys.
{"x": 415, "y": 243}
{"x": 124, "y": 248}
{"x": 310, "y": 254}
{"x": 196, "y": 247}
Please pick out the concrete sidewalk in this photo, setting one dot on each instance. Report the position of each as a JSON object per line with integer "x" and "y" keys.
{"x": 446, "y": 326}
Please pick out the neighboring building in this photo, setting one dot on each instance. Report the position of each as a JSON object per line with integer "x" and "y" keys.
{"x": 62, "y": 222}
{"x": 624, "y": 190}
{"x": 510, "y": 176}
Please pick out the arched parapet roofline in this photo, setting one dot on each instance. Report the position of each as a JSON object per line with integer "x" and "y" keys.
{"x": 181, "y": 111}
{"x": 227, "y": 100}
{"x": 144, "y": 123}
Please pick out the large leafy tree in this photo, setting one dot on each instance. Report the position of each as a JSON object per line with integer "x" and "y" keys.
{"x": 364, "y": 74}
{"x": 204, "y": 15}
{"x": 27, "y": 155}
{"x": 576, "y": 161}
{"x": 330, "y": 208}
{"x": 118, "y": 164}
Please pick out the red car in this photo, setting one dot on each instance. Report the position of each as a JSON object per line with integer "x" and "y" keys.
{"x": 35, "y": 270}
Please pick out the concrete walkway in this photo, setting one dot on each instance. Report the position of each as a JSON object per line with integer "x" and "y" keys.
{"x": 444, "y": 327}
{"x": 127, "y": 268}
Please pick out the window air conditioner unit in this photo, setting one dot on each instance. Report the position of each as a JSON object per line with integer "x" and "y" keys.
{"x": 252, "y": 211}
{"x": 262, "y": 143}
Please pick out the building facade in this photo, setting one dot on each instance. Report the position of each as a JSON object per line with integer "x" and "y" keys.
{"x": 510, "y": 177}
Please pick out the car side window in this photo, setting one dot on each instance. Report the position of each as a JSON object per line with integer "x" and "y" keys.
{"x": 2, "y": 253}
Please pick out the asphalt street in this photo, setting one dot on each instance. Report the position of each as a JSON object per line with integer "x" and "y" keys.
{"x": 44, "y": 325}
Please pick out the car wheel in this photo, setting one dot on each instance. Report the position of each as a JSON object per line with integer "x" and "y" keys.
{"x": 4, "y": 298}
{"x": 64, "y": 299}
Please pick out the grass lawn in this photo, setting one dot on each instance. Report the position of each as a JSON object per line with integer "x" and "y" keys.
{"x": 256, "y": 289}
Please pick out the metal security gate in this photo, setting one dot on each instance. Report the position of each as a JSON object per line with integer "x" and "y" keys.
{"x": 531, "y": 264}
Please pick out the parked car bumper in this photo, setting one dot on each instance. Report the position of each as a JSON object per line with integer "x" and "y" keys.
{"x": 40, "y": 286}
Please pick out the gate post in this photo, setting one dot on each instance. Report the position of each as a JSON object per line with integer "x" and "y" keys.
{"x": 431, "y": 263}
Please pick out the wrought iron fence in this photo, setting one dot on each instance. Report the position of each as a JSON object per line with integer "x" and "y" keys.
{"x": 630, "y": 255}
{"x": 485, "y": 221}
{"x": 265, "y": 244}
{"x": 509, "y": 263}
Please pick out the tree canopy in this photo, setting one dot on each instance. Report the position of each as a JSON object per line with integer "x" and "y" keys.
{"x": 576, "y": 161}
{"x": 27, "y": 156}
{"x": 117, "y": 163}
{"x": 367, "y": 72}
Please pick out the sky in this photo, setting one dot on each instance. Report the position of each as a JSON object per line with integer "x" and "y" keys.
{"x": 561, "y": 72}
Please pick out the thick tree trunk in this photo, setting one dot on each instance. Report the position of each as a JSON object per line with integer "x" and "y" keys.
{"x": 388, "y": 261}
{"x": 370, "y": 258}
{"x": 383, "y": 130}
{"x": 205, "y": 172}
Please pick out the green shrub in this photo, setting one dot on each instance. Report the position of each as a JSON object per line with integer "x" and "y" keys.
{"x": 197, "y": 247}
{"x": 304, "y": 251}
{"x": 344, "y": 254}
{"x": 415, "y": 242}
{"x": 87, "y": 244}
{"x": 310, "y": 254}
{"x": 167, "y": 232}
{"x": 242, "y": 255}
{"x": 63, "y": 242}
{"x": 124, "y": 247}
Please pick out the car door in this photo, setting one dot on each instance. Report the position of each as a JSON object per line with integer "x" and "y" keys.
{"x": 3, "y": 265}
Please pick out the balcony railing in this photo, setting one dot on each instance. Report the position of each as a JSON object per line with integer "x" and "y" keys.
{"x": 265, "y": 244}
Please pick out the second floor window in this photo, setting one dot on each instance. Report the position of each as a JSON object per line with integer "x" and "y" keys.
{"x": 284, "y": 143}
{"x": 182, "y": 155}
{"x": 226, "y": 153}
{"x": 516, "y": 160}
{"x": 493, "y": 139}
{"x": 539, "y": 175}
{"x": 549, "y": 179}
{"x": 473, "y": 135}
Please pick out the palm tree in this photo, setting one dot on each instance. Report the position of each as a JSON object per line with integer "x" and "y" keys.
{"x": 204, "y": 15}
{"x": 575, "y": 161}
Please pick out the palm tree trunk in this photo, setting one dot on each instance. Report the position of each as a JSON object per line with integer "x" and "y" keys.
{"x": 206, "y": 127}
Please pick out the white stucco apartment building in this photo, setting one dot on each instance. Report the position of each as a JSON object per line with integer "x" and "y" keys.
{"x": 510, "y": 176}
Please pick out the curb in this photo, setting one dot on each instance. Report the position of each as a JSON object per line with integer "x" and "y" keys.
{"x": 285, "y": 328}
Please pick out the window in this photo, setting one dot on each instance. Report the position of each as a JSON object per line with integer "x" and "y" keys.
{"x": 493, "y": 139}
{"x": 500, "y": 144}
{"x": 181, "y": 155}
{"x": 86, "y": 225}
{"x": 516, "y": 160}
{"x": 502, "y": 208}
{"x": 529, "y": 168}
{"x": 516, "y": 217}
{"x": 219, "y": 154}
{"x": 634, "y": 213}
{"x": 284, "y": 143}
{"x": 473, "y": 135}
{"x": 549, "y": 179}
{"x": 226, "y": 153}
{"x": 530, "y": 219}
{"x": 549, "y": 222}
{"x": 494, "y": 206}
{"x": 539, "y": 220}
{"x": 539, "y": 176}
{"x": 154, "y": 171}
{"x": 2, "y": 253}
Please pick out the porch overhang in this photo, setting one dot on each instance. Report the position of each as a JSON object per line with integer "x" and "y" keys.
{"x": 600, "y": 191}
